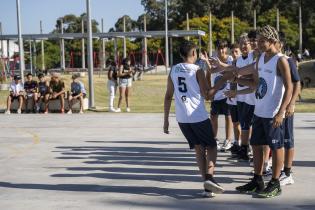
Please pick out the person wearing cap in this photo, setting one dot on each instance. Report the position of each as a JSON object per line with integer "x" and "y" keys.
{"x": 43, "y": 90}
{"x": 78, "y": 92}
{"x": 57, "y": 91}
{"x": 30, "y": 88}
{"x": 16, "y": 92}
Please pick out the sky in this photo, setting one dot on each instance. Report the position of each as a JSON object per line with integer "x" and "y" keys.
{"x": 32, "y": 11}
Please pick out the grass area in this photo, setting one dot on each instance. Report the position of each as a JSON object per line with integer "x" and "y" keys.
{"x": 148, "y": 95}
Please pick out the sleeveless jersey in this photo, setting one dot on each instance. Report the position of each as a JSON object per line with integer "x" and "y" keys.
{"x": 42, "y": 88}
{"x": 241, "y": 62}
{"x": 189, "y": 104}
{"x": 269, "y": 93}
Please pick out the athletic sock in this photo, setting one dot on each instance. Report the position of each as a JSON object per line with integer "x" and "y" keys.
{"x": 287, "y": 171}
{"x": 209, "y": 177}
{"x": 258, "y": 177}
{"x": 245, "y": 148}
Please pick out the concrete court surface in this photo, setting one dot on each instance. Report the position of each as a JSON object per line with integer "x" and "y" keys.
{"x": 124, "y": 161}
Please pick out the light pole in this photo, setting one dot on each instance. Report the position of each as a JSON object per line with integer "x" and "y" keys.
{"x": 21, "y": 49}
{"x": 90, "y": 54}
{"x": 124, "y": 39}
{"x": 232, "y": 27}
{"x": 145, "y": 50}
{"x": 255, "y": 25}
{"x": 62, "y": 43}
{"x": 82, "y": 44}
{"x": 300, "y": 28}
{"x": 210, "y": 34}
{"x": 42, "y": 47}
{"x": 166, "y": 38}
{"x": 278, "y": 20}
{"x": 103, "y": 47}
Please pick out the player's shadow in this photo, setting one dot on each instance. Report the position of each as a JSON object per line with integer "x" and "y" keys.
{"x": 148, "y": 168}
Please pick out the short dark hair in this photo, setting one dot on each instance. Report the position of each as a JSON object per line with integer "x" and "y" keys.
{"x": 252, "y": 34}
{"x": 235, "y": 45}
{"x": 221, "y": 44}
{"x": 125, "y": 61}
{"x": 186, "y": 47}
{"x": 40, "y": 75}
{"x": 29, "y": 74}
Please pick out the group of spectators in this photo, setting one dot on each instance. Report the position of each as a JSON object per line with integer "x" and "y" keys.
{"x": 43, "y": 91}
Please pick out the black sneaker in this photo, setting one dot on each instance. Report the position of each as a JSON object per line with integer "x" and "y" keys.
{"x": 211, "y": 185}
{"x": 254, "y": 186}
{"x": 273, "y": 189}
{"x": 234, "y": 149}
{"x": 243, "y": 156}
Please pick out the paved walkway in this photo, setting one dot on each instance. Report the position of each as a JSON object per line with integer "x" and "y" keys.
{"x": 124, "y": 161}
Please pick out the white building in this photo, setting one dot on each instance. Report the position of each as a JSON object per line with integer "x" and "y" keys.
{"x": 13, "y": 48}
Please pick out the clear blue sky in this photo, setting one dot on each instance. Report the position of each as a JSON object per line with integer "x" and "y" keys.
{"x": 32, "y": 11}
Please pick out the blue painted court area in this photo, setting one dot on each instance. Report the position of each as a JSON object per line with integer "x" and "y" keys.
{"x": 124, "y": 161}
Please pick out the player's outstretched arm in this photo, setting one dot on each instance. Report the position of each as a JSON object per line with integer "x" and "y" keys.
{"x": 284, "y": 70}
{"x": 167, "y": 103}
{"x": 205, "y": 90}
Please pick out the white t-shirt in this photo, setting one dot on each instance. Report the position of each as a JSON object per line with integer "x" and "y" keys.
{"x": 16, "y": 88}
{"x": 189, "y": 104}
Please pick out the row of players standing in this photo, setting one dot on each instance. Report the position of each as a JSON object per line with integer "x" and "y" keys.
{"x": 263, "y": 105}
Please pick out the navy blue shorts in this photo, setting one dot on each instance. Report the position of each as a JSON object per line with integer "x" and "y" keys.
{"x": 264, "y": 134}
{"x": 245, "y": 115}
{"x": 234, "y": 113}
{"x": 220, "y": 107}
{"x": 288, "y": 132}
{"x": 200, "y": 133}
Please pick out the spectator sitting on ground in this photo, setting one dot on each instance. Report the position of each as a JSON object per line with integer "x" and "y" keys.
{"x": 30, "y": 88}
{"x": 57, "y": 91}
{"x": 43, "y": 90}
{"x": 16, "y": 92}
{"x": 77, "y": 92}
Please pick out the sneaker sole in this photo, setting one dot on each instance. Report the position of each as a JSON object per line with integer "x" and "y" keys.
{"x": 268, "y": 196}
{"x": 213, "y": 188}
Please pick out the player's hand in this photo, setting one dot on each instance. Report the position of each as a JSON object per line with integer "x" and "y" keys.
{"x": 290, "y": 110}
{"x": 166, "y": 126}
{"x": 230, "y": 93}
{"x": 203, "y": 56}
{"x": 277, "y": 120}
{"x": 54, "y": 95}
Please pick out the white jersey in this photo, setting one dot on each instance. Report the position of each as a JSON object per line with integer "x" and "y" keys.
{"x": 215, "y": 77}
{"x": 270, "y": 91}
{"x": 189, "y": 104}
{"x": 241, "y": 62}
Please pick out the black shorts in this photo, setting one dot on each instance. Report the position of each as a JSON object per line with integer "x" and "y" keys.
{"x": 15, "y": 97}
{"x": 245, "y": 115}
{"x": 200, "y": 133}
{"x": 220, "y": 107}
{"x": 288, "y": 132}
{"x": 264, "y": 134}
{"x": 234, "y": 113}
{"x": 83, "y": 94}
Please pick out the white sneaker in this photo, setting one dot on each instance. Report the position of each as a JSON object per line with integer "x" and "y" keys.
{"x": 69, "y": 112}
{"x": 213, "y": 187}
{"x": 226, "y": 145}
{"x": 19, "y": 111}
{"x": 286, "y": 180}
{"x": 128, "y": 109}
{"x": 111, "y": 109}
{"x": 81, "y": 112}
{"x": 218, "y": 144}
{"x": 118, "y": 110}
{"x": 7, "y": 112}
{"x": 207, "y": 194}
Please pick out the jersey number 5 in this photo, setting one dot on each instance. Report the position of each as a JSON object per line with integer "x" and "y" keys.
{"x": 182, "y": 87}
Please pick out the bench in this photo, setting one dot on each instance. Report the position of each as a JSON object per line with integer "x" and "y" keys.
{"x": 53, "y": 105}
